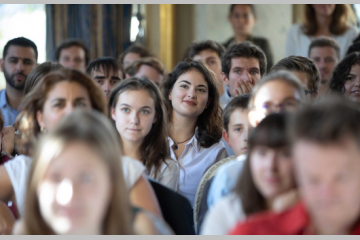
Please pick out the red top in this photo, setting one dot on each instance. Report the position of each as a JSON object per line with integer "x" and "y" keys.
{"x": 294, "y": 221}
{"x": 12, "y": 207}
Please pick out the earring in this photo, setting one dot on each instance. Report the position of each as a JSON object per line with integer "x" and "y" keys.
{"x": 43, "y": 130}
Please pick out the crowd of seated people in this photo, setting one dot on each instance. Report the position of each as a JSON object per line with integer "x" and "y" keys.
{"x": 226, "y": 143}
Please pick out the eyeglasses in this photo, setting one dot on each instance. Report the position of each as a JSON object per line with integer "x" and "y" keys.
{"x": 288, "y": 105}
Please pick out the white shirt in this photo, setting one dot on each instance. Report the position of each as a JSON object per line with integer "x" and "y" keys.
{"x": 18, "y": 170}
{"x": 297, "y": 43}
{"x": 194, "y": 161}
{"x": 225, "y": 99}
{"x": 224, "y": 216}
{"x": 169, "y": 174}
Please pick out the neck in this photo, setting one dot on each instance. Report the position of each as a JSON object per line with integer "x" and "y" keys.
{"x": 131, "y": 149}
{"x": 13, "y": 96}
{"x": 240, "y": 38}
{"x": 221, "y": 87}
{"x": 181, "y": 128}
{"x": 323, "y": 25}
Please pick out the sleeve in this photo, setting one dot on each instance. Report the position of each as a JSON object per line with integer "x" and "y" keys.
{"x": 170, "y": 175}
{"x": 291, "y": 43}
{"x": 133, "y": 170}
{"x": 213, "y": 222}
{"x": 18, "y": 171}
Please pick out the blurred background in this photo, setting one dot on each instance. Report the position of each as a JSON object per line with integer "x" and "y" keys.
{"x": 166, "y": 29}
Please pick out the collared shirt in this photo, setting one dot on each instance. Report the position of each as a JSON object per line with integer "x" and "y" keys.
{"x": 194, "y": 162}
{"x": 225, "y": 98}
{"x": 9, "y": 114}
{"x": 225, "y": 180}
{"x": 294, "y": 221}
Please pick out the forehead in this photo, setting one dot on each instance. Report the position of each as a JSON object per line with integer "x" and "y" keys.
{"x": 21, "y": 52}
{"x": 132, "y": 56}
{"x": 73, "y": 51}
{"x": 355, "y": 68}
{"x": 206, "y": 53}
{"x": 239, "y": 116}
{"x": 275, "y": 91}
{"x": 194, "y": 77}
{"x": 144, "y": 68}
{"x": 242, "y": 62}
{"x": 303, "y": 77}
{"x": 100, "y": 71}
{"x": 326, "y": 159}
{"x": 136, "y": 98}
{"x": 323, "y": 52}
{"x": 66, "y": 89}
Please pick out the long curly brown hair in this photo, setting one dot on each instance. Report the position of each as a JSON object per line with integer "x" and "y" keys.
{"x": 34, "y": 101}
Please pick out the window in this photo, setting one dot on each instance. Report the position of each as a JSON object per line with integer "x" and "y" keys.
{"x": 23, "y": 20}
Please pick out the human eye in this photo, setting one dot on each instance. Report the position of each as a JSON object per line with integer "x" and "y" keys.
{"x": 13, "y": 60}
{"x": 253, "y": 72}
{"x": 99, "y": 81}
{"x": 184, "y": 86}
{"x": 125, "y": 110}
{"x": 145, "y": 112}
{"x": 114, "y": 82}
{"x": 58, "y": 104}
{"x": 80, "y": 104}
{"x": 202, "y": 90}
{"x": 349, "y": 78}
{"x": 238, "y": 129}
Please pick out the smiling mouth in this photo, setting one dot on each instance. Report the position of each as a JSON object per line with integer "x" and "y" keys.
{"x": 190, "y": 103}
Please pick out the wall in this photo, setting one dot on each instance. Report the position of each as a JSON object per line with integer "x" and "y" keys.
{"x": 274, "y": 21}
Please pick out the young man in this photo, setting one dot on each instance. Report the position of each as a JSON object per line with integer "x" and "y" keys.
{"x": 279, "y": 91}
{"x": 107, "y": 72}
{"x": 133, "y": 53}
{"x": 325, "y": 52}
{"x": 243, "y": 65}
{"x": 19, "y": 59}
{"x": 148, "y": 67}
{"x": 73, "y": 53}
{"x": 326, "y": 154}
{"x": 307, "y": 72}
{"x": 210, "y": 52}
{"x": 243, "y": 19}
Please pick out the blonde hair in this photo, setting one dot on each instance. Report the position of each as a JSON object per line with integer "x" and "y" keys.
{"x": 95, "y": 130}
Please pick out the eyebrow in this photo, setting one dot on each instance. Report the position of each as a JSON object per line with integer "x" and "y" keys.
{"x": 201, "y": 85}
{"x": 238, "y": 125}
{"x": 114, "y": 77}
{"x": 12, "y": 57}
{"x": 63, "y": 99}
{"x": 127, "y": 105}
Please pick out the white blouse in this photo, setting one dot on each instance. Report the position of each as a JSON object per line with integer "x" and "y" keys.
{"x": 223, "y": 217}
{"x": 194, "y": 161}
{"x": 298, "y": 43}
{"x": 169, "y": 174}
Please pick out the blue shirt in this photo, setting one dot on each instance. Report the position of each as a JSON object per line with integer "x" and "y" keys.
{"x": 9, "y": 114}
{"x": 225, "y": 180}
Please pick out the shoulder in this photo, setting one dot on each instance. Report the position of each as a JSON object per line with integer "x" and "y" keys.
{"x": 352, "y": 32}
{"x": 132, "y": 169}
{"x": 171, "y": 165}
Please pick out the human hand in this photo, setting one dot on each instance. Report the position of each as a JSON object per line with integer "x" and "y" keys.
{"x": 7, "y": 220}
{"x": 243, "y": 88}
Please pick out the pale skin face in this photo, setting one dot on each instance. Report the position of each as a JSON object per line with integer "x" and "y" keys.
{"x": 213, "y": 61}
{"x": 274, "y": 96}
{"x": 243, "y": 71}
{"x": 134, "y": 115}
{"x": 271, "y": 170}
{"x": 107, "y": 83}
{"x": 326, "y": 60}
{"x": 73, "y": 57}
{"x": 238, "y": 131}
{"x": 61, "y": 100}
{"x": 190, "y": 94}
{"x": 329, "y": 183}
{"x": 150, "y": 73}
{"x": 242, "y": 20}
{"x": 130, "y": 58}
{"x": 18, "y": 63}
{"x": 75, "y": 182}
{"x": 352, "y": 84}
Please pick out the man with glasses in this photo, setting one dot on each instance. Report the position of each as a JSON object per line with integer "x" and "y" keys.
{"x": 307, "y": 72}
{"x": 276, "y": 92}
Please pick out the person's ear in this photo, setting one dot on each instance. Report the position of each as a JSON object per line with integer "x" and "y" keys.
{"x": 2, "y": 65}
{"x": 225, "y": 78}
{"x": 113, "y": 116}
{"x": 40, "y": 119}
{"x": 169, "y": 96}
{"x": 226, "y": 137}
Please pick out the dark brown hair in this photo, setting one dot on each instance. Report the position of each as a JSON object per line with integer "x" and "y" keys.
{"x": 243, "y": 50}
{"x": 271, "y": 132}
{"x": 94, "y": 130}
{"x": 241, "y": 102}
{"x": 341, "y": 72}
{"x": 154, "y": 149}
{"x": 35, "y": 100}
{"x": 196, "y": 47}
{"x": 327, "y": 122}
{"x": 135, "y": 48}
{"x": 300, "y": 64}
{"x": 232, "y": 6}
{"x": 107, "y": 64}
{"x": 153, "y": 62}
{"x": 39, "y": 72}
{"x": 70, "y": 43}
{"x": 325, "y": 42}
{"x": 209, "y": 123}
{"x": 339, "y": 22}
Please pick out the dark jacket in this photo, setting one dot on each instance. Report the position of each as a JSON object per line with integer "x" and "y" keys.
{"x": 262, "y": 43}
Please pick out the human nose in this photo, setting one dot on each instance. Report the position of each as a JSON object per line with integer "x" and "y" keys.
{"x": 134, "y": 118}
{"x": 69, "y": 109}
{"x": 191, "y": 93}
{"x": 20, "y": 66}
{"x": 245, "y": 76}
{"x": 106, "y": 86}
